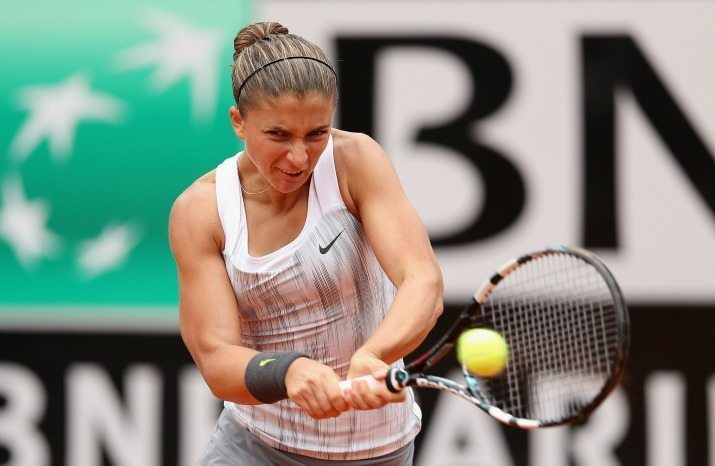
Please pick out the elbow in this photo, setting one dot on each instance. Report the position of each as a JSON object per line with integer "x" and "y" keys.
{"x": 208, "y": 365}
{"x": 223, "y": 383}
{"x": 438, "y": 309}
{"x": 216, "y": 386}
{"x": 211, "y": 378}
{"x": 203, "y": 361}
{"x": 435, "y": 283}
{"x": 221, "y": 387}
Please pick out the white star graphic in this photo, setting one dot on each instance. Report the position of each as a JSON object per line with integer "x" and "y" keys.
{"x": 55, "y": 112}
{"x": 108, "y": 250}
{"x": 23, "y": 224}
{"x": 181, "y": 50}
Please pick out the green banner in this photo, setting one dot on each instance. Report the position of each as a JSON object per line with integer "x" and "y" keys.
{"x": 108, "y": 111}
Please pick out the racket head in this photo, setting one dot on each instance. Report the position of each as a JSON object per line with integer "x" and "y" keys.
{"x": 565, "y": 320}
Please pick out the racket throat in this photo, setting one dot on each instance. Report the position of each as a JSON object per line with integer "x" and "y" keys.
{"x": 397, "y": 380}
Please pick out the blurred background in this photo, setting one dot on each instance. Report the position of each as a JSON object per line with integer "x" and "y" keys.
{"x": 513, "y": 125}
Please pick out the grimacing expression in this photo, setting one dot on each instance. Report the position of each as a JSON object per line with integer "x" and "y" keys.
{"x": 285, "y": 136}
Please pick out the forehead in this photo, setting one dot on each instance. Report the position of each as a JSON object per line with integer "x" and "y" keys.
{"x": 314, "y": 109}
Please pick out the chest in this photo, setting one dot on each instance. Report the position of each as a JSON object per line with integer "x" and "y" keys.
{"x": 328, "y": 278}
{"x": 269, "y": 230}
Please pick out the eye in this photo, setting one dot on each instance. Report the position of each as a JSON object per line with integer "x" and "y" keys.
{"x": 317, "y": 133}
{"x": 275, "y": 133}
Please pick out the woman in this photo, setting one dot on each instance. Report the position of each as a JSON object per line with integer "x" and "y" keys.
{"x": 301, "y": 263}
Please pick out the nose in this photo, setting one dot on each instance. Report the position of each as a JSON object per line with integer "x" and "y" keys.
{"x": 298, "y": 153}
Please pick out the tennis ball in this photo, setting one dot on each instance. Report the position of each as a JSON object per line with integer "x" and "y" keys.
{"x": 484, "y": 352}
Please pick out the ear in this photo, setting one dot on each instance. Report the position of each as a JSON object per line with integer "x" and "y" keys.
{"x": 237, "y": 122}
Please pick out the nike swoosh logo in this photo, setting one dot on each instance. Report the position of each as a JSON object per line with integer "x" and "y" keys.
{"x": 263, "y": 362}
{"x": 325, "y": 249}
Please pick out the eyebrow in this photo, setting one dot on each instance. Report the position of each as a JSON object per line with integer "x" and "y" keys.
{"x": 283, "y": 128}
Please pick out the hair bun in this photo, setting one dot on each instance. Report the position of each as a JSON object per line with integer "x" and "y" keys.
{"x": 254, "y": 33}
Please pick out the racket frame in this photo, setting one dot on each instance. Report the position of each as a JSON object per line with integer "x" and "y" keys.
{"x": 414, "y": 373}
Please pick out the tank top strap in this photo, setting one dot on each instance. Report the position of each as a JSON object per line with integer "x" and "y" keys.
{"x": 229, "y": 200}
{"x": 325, "y": 181}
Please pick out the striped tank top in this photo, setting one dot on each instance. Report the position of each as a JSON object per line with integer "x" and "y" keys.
{"x": 324, "y": 294}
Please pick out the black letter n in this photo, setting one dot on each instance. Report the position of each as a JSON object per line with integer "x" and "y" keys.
{"x": 611, "y": 62}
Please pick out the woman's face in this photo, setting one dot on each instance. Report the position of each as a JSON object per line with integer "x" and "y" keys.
{"x": 285, "y": 136}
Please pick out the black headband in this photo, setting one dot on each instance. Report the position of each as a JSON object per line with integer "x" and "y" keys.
{"x": 240, "y": 88}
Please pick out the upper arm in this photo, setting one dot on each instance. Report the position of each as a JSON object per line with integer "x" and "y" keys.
{"x": 207, "y": 305}
{"x": 392, "y": 225}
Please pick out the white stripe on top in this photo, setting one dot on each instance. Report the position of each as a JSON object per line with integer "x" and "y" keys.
{"x": 324, "y": 294}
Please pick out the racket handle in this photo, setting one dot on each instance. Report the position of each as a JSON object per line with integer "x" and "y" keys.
{"x": 395, "y": 381}
{"x": 372, "y": 383}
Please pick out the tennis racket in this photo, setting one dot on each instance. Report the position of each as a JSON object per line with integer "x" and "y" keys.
{"x": 564, "y": 318}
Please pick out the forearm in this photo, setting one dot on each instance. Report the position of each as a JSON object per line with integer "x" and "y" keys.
{"x": 414, "y": 311}
{"x": 223, "y": 369}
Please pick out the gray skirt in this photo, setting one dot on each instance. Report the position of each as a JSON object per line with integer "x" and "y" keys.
{"x": 231, "y": 445}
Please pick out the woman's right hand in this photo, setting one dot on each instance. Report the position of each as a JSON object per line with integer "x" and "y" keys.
{"x": 314, "y": 388}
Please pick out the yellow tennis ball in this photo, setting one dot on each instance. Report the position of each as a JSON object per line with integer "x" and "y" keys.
{"x": 484, "y": 352}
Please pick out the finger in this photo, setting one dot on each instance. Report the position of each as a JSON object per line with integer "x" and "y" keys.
{"x": 312, "y": 405}
{"x": 337, "y": 399}
{"x": 327, "y": 407}
{"x": 333, "y": 394}
{"x": 367, "y": 398}
{"x": 383, "y": 395}
{"x": 303, "y": 404}
{"x": 391, "y": 397}
{"x": 326, "y": 397}
{"x": 353, "y": 397}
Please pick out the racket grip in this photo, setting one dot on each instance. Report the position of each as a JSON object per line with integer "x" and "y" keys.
{"x": 395, "y": 381}
{"x": 372, "y": 383}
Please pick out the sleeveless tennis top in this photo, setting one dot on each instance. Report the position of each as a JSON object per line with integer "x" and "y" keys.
{"x": 324, "y": 294}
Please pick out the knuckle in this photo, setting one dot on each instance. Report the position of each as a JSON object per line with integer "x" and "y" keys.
{"x": 315, "y": 414}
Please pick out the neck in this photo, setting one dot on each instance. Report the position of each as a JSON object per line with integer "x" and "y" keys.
{"x": 258, "y": 185}
{"x": 257, "y": 189}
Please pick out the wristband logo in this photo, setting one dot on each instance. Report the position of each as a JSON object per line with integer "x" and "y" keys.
{"x": 263, "y": 362}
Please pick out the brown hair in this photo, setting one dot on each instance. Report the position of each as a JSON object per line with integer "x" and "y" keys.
{"x": 269, "y": 61}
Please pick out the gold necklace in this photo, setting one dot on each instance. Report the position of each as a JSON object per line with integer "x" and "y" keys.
{"x": 253, "y": 194}
{"x": 248, "y": 192}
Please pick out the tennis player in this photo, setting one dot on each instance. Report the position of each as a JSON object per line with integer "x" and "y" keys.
{"x": 301, "y": 263}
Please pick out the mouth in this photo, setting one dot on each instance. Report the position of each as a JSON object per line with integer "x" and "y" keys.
{"x": 292, "y": 173}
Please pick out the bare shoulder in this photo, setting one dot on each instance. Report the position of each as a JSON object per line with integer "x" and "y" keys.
{"x": 359, "y": 155}
{"x": 364, "y": 170}
{"x": 195, "y": 213}
{"x": 356, "y": 155}
{"x": 352, "y": 147}
{"x": 200, "y": 195}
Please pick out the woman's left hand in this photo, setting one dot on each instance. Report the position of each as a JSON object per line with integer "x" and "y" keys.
{"x": 360, "y": 395}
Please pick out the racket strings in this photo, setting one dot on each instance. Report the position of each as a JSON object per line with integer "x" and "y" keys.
{"x": 558, "y": 316}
